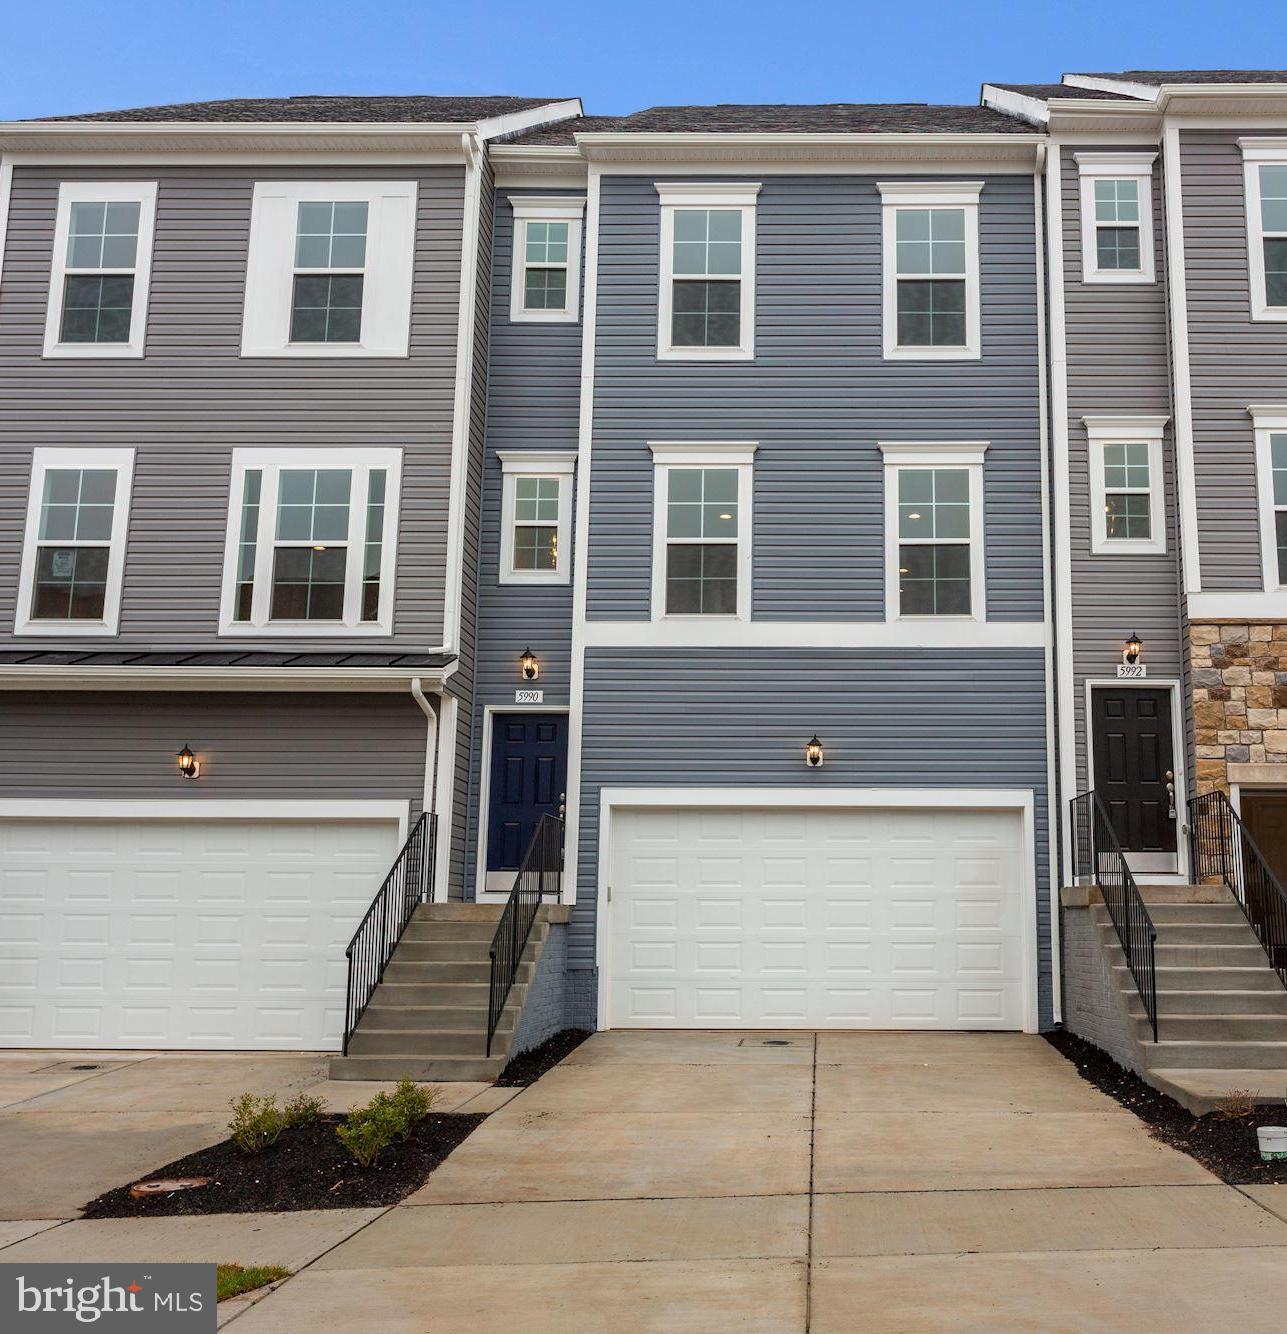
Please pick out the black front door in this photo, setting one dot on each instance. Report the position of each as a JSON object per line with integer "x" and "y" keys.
{"x": 529, "y": 776}
{"x": 1134, "y": 764}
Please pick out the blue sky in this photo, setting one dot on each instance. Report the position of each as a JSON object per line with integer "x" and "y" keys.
{"x": 63, "y": 56}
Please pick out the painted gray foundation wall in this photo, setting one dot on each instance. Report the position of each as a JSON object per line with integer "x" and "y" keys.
{"x": 545, "y": 1009}
{"x": 263, "y": 746}
{"x": 1118, "y": 364}
{"x": 817, "y": 398}
{"x": 533, "y": 402}
{"x": 1234, "y": 360}
{"x": 898, "y": 718}
{"x": 1092, "y": 1001}
{"x": 192, "y": 397}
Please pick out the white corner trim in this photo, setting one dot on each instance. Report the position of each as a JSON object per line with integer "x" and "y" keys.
{"x": 1021, "y": 801}
{"x": 445, "y": 761}
{"x": 1138, "y": 167}
{"x": 697, "y": 452}
{"x": 142, "y": 193}
{"x": 6, "y": 194}
{"x": 945, "y": 452}
{"x": 543, "y": 461}
{"x": 120, "y": 461}
{"x": 704, "y": 194}
{"x": 546, "y": 208}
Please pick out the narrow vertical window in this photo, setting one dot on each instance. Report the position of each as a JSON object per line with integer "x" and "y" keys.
{"x": 1117, "y": 224}
{"x": 1116, "y": 217}
{"x": 536, "y": 516}
{"x": 330, "y": 263}
{"x": 707, "y": 306}
{"x": 1273, "y": 230}
{"x": 545, "y": 288}
{"x": 545, "y": 264}
{"x": 536, "y": 523}
{"x": 1278, "y": 463}
{"x": 246, "y": 544}
{"x": 1127, "y": 493}
{"x": 373, "y": 554}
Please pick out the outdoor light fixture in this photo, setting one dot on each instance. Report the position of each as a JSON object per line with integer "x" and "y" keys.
{"x": 189, "y": 765}
{"x": 531, "y": 668}
{"x": 813, "y": 752}
{"x": 1132, "y": 649}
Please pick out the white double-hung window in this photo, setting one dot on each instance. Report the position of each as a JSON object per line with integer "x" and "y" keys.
{"x": 706, "y": 310}
{"x": 702, "y": 530}
{"x": 73, "y": 556}
{"x": 330, "y": 269}
{"x": 934, "y": 562}
{"x": 98, "y": 286}
{"x": 546, "y": 280}
{"x": 311, "y": 542}
{"x": 1127, "y": 485}
{"x": 930, "y": 265}
{"x": 1265, "y": 179}
{"x": 536, "y": 516}
{"x": 1116, "y": 217}
{"x": 1270, "y": 425}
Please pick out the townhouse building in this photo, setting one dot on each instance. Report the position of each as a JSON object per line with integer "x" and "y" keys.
{"x": 703, "y": 552}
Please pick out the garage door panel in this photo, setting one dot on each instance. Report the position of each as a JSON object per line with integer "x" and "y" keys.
{"x": 862, "y": 918}
{"x": 182, "y": 933}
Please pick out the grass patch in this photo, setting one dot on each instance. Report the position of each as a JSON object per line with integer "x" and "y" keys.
{"x": 233, "y": 1280}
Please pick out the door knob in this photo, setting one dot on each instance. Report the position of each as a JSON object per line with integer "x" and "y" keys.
{"x": 1170, "y": 794}
{"x": 563, "y": 810}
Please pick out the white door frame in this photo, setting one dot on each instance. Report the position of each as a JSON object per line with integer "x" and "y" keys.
{"x": 1178, "y": 758}
{"x": 1021, "y": 800}
{"x": 481, "y": 894}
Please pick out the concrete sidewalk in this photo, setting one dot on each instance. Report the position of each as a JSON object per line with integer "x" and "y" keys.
{"x": 790, "y": 1182}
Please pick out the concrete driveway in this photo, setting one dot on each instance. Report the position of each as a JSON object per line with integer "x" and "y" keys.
{"x": 788, "y": 1182}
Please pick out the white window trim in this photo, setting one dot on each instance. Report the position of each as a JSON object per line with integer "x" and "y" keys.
{"x": 122, "y": 461}
{"x": 1268, "y": 420}
{"x": 516, "y": 463}
{"x": 546, "y": 208}
{"x": 1137, "y": 167}
{"x": 967, "y": 454}
{"x": 387, "y": 274}
{"x": 929, "y": 194}
{"x": 142, "y": 193}
{"x": 739, "y": 195}
{"x": 1257, "y": 153}
{"x": 701, "y": 454}
{"x": 270, "y": 462}
{"x": 1102, "y": 431}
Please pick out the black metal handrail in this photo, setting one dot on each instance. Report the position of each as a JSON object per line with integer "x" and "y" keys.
{"x": 539, "y": 873}
{"x": 1097, "y": 852}
{"x": 1221, "y": 848}
{"x": 408, "y": 883}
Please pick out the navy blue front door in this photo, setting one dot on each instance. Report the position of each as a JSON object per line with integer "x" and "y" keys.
{"x": 529, "y": 776}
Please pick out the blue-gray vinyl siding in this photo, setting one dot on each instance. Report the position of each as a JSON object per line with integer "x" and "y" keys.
{"x": 968, "y": 718}
{"x": 818, "y": 397}
{"x": 533, "y": 396}
{"x": 191, "y": 398}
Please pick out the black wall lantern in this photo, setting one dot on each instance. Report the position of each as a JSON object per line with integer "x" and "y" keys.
{"x": 189, "y": 765}
{"x": 813, "y": 752}
{"x": 530, "y": 667}
{"x": 1132, "y": 649}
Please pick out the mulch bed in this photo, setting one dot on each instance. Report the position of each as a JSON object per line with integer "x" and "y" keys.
{"x": 531, "y": 1065}
{"x": 308, "y": 1168}
{"x": 1225, "y": 1147}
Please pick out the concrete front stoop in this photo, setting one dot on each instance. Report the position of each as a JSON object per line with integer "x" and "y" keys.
{"x": 427, "y": 1019}
{"x": 1222, "y": 1010}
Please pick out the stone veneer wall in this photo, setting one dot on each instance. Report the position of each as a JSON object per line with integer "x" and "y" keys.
{"x": 1239, "y": 676}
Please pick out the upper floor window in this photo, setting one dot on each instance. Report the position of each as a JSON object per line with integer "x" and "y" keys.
{"x": 330, "y": 269}
{"x": 1127, "y": 492}
{"x": 934, "y": 530}
{"x": 536, "y": 517}
{"x": 702, "y": 530}
{"x": 102, "y": 266}
{"x": 311, "y": 538}
{"x": 1265, "y": 177}
{"x": 1116, "y": 217}
{"x": 1270, "y": 424}
{"x": 931, "y": 269}
{"x": 73, "y": 556}
{"x": 707, "y": 291}
{"x": 545, "y": 283}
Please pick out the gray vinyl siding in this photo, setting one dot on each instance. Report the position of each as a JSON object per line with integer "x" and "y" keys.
{"x": 969, "y": 718}
{"x": 1234, "y": 360}
{"x": 818, "y": 397}
{"x": 252, "y": 746}
{"x": 1118, "y": 363}
{"x": 192, "y": 398}
{"x": 534, "y": 380}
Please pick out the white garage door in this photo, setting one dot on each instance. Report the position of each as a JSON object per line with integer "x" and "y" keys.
{"x": 182, "y": 933}
{"x": 817, "y": 919}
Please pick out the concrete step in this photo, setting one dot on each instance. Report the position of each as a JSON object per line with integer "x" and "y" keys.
{"x": 434, "y": 930}
{"x": 459, "y": 912}
{"x": 435, "y": 1018}
{"x": 1194, "y": 933}
{"x": 1184, "y": 914}
{"x": 1256, "y": 977}
{"x": 1160, "y": 894}
{"x": 1202, "y": 1090}
{"x": 1220, "y": 1028}
{"x": 1212, "y": 1002}
{"x": 472, "y": 994}
{"x": 370, "y": 1041}
{"x": 1216, "y": 1055}
{"x": 426, "y": 1069}
{"x": 422, "y": 971}
{"x": 441, "y": 951}
{"x": 1209, "y": 956}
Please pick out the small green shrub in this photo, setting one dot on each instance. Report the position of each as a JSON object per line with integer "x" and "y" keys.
{"x": 256, "y": 1122}
{"x": 413, "y": 1103}
{"x": 367, "y": 1131}
{"x": 303, "y": 1111}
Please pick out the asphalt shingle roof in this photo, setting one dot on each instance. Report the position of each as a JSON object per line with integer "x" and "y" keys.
{"x": 1044, "y": 91}
{"x": 563, "y": 132}
{"x": 1157, "y": 77}
{"x": 324, "y": 107}
{"x": 831, "y": 117}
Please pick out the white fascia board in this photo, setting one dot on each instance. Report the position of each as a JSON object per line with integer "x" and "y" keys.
{"x": 514, "y": 122}
{"x": 1020, "y": 105}
{"x": 730, "y": 632}
{"x": 1097, "y": 83}
{"x": 554, "y": 166}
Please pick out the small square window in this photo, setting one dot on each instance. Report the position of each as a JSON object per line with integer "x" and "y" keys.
{"x": 1116, "y": 217}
